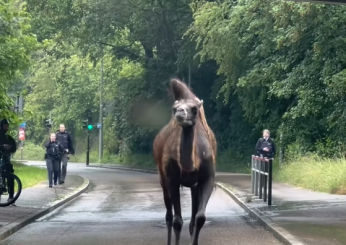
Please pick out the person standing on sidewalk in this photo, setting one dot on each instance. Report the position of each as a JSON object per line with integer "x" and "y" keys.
{"x": 7, "y": 146}
{"x": 265, "y": 146}
{"x": 52, "y": 156}
{"x": 64, "y": 139}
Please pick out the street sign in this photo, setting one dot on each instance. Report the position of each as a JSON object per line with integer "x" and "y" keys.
{"x": 99, "y": 125}
{"x": 23, "y": 125}
{"x": 21, "y": 134}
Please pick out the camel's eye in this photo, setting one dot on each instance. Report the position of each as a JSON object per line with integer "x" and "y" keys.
{"x": 194, "y": 110}
{"x": 174, "y": 110}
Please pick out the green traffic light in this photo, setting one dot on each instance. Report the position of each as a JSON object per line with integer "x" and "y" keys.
{"x": 90, "y": 127}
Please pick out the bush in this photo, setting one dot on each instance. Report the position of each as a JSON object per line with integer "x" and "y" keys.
{"x": 30, "y": 152}
{"x": 232, "y": 161}
{"x": 135, "y": 160}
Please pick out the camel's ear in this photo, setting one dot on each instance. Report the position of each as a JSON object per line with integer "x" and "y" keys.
{"x": 200, "y": 103}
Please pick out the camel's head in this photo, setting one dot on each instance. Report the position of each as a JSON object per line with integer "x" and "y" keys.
{"x": 186, "y": 111}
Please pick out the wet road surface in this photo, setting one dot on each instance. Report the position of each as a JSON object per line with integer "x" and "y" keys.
{"x": 123, "y": 207}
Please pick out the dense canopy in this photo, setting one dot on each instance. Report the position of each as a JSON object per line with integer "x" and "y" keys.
{"x": 256, "y": 64}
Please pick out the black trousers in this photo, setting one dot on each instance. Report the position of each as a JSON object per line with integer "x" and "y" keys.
{"x": 53, "y": 170}
{"x": 10, "y": 179}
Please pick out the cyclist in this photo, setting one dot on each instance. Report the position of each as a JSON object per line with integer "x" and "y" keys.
{"x": 7, "y": 146}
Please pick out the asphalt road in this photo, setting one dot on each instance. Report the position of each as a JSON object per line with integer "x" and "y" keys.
{"x": 126, "y": 208}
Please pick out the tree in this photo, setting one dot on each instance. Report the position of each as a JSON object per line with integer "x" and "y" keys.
{"x": 17, "y": 44}
{"x": 282, "y": 60}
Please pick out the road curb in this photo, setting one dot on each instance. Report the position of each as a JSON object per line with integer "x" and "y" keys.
{"x": 280, "y": 233}
{"x": 12, "y": 228}
{"x": 125, "y": 168}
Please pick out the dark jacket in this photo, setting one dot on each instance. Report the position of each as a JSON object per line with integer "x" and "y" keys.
{"x": 64, "y": 139}
{"x": 7, "y": 139}
{"x": 54, "y": 150}
{"x": 262, "y": 143}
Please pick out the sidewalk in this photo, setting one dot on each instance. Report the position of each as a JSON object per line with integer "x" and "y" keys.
{"x": 35, "y": 201}
{"x": 312, "y": 217}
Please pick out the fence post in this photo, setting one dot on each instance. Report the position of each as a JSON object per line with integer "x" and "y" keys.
{"x": 261, "y": 178}
{"x": 256, "y": 176}
{"x": 252, "y": 174}
{"x": 266, "y": 167}
{"x": 270, "y": 180}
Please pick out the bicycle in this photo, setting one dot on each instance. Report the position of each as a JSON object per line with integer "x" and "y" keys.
{"x": 3, "y": 182}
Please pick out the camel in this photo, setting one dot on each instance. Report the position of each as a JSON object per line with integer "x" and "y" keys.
{"x": 184, "y": 151}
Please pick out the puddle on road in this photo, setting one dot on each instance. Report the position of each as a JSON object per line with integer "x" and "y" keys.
{"x": 317, "y": 234}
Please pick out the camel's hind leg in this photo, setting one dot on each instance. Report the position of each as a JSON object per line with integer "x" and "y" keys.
{"x": 169, "y": 213}
{"x": 205, "y": 190}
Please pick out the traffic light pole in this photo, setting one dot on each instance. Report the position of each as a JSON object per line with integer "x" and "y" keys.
{"x": 101, "y": 112}
{"x": 88, "y": 126}
{"x": 87, "y": 151}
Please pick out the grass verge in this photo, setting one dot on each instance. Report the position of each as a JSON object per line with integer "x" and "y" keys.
{"x": 29, "y": 175}
{"x": 146, "y": 161}
{"x": 227, "y": 161}
{"x": 309, "y": 172}
{"x": 315, "y": 173}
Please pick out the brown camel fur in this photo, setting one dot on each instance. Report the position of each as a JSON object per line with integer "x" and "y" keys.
{"x": 184, "y": 151}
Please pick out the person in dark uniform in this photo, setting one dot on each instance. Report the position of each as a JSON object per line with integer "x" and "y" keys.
{"x": 52, "y": 156}
{"x": 7, "y": 146}
{"x": 265, "y": 146}
{"x": 64, "y": 138}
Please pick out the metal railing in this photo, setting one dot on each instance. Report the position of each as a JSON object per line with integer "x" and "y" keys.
{"x": 262, "y": 178}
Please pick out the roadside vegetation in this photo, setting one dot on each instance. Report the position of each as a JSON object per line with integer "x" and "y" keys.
{"x": 225, "y": 162}
{"x": 315, "y": 173}
{"x": 256, "y": 64}
{"x": 308, "y": 171}
{"x": 29, "y": 175}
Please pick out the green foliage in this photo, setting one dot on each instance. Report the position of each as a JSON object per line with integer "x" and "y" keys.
{"x": 31, "y": 151}
{"x": 138, "y": 59}
{"x": 64, "y": 86}
{"x": 282, "y": 60}
{"x": 233, "y": 161}
{"x": 315, "y": 173}
{"x": 135, "y": 160}
{"x": 17, "y": 44}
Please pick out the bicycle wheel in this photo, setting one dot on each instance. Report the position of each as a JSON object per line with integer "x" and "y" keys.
{"x": 4, "y": 197}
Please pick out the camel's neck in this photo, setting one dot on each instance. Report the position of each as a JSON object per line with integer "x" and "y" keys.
{"x": 186, "y": 147}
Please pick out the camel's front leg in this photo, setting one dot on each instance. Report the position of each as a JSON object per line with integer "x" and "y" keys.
{"x": 177, "y": 220}
{"x": 205, "y": 190}
{"x": 195, "y": 202}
